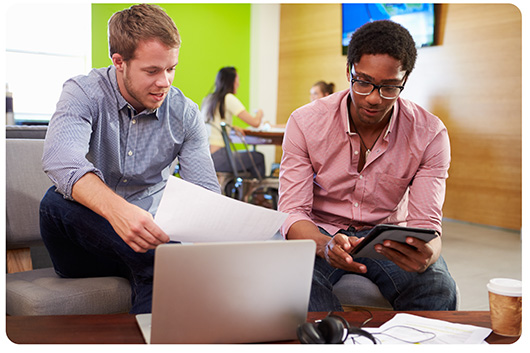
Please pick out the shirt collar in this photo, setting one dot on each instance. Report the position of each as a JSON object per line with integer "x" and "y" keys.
{"x": 393, "y": 119}
{"x": 344, "y": 107}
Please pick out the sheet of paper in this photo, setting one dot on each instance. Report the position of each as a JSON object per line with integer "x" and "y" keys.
{"x": 190, "y": 213}
{"x": 406, "y": 328}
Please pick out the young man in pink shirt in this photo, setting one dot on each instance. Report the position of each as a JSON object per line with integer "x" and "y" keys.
{"x": 362, "y": 157}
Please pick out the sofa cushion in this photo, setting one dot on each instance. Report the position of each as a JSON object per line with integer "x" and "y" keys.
{"x": 26, "y": 184}
{"x": 43, "y": 292}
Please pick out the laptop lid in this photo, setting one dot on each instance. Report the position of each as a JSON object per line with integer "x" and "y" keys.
{"x": 231, "y": 292}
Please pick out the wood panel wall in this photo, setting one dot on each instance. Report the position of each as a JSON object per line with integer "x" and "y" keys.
{"x": 471, "y": 80}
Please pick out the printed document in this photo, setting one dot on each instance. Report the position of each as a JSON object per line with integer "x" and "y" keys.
{"x": 413, "y": 329}
{"x": 190, "y": 213}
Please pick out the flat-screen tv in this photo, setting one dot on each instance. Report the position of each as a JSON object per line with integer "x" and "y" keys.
{"x": 419, "y": 19}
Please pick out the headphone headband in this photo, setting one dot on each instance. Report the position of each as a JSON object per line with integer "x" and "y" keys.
{"x": 330, "y": 330}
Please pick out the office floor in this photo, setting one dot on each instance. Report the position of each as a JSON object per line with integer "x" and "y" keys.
{"x": 476, "y": 253}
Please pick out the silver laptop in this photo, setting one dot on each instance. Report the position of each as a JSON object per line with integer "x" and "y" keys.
{"x": 229, "y": 292}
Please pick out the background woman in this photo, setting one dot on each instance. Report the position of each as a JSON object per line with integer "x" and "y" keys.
{"x": 222, "y": 105}
{"x": 321, "y": 89}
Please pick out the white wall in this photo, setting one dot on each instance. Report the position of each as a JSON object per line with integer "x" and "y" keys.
{"x": 264, "y": 59}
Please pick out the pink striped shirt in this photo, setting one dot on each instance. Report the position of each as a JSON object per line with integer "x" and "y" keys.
{"x": 402, "y": 182}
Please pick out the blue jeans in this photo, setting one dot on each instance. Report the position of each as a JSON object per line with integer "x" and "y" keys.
{"x": 81, "y": 243}
{"x": 433, "y": 289}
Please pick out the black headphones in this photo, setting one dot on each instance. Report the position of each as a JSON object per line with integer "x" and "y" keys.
{"x": 329, "y": 330}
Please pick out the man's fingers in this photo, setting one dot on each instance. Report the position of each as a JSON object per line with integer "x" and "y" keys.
{"x": 158, "y": 236}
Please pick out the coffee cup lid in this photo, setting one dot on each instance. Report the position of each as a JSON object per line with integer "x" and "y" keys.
{"x": 505, "y": 286}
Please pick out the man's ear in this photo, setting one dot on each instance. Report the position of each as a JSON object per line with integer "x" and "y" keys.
{"x": 118, "y": 61}
{"x": 348, "y": 72}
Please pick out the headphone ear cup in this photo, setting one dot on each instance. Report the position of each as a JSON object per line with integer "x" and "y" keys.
{"x": 332, "y": 330}
{"x": 308, "y": 333}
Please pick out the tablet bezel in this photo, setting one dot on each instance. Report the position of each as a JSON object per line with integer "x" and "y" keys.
{"x": 382, "y": 232}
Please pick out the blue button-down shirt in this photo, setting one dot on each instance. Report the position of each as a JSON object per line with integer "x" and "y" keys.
{"x": 95, "y": 130}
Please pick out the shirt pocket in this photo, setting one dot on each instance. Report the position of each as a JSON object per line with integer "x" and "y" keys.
{"x": 388, "y": 191}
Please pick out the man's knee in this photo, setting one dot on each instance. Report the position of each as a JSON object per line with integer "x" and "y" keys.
{"x": 54, "y": 204}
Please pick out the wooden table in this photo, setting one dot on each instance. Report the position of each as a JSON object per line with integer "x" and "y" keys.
{"x": 122, "y": 328}
{"x": 263, "y": 137}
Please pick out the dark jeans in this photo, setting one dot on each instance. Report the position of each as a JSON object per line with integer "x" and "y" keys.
{"x": 433, "y": 289}
{"x": 83, "y": 244}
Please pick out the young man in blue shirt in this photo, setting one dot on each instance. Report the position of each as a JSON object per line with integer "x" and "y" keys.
{"x": 108, "y": 151}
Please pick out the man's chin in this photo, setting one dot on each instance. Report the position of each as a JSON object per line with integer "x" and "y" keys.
{"x": 153, "y": 106}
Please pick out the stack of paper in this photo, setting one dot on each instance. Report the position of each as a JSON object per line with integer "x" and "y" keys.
{"x": 412, "y": 329}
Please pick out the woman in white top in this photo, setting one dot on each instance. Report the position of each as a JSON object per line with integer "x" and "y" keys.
{"x": 222, "y": 105}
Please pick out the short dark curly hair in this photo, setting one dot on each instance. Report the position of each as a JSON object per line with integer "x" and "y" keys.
{"x": 383, "y": 37}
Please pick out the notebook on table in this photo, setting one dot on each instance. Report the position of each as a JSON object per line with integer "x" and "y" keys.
{"x": 242, "y": 292}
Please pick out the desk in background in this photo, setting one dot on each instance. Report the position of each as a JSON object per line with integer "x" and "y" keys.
{"x": 122, "y": 328}
{"x": 253, "y": 137}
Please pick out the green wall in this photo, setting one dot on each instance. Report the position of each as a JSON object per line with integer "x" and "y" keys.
{"x": 213, "y": 36}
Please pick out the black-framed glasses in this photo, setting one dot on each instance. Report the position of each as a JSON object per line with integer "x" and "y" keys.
{"x": 365, "y": 88}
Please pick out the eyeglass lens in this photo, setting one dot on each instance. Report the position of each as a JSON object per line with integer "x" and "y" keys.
{"x": 365, "y": 88}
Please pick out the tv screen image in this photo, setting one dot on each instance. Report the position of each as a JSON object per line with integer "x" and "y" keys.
{"x": 417, "y": 18}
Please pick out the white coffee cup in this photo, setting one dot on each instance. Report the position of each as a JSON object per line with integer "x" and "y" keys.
{"x": 505, "y": 298}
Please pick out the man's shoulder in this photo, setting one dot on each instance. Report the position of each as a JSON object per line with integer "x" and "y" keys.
{"x": 96, "y": 82}
{"x": 94, "y": 75}
{"x": 177, "y": 103}
{"x": 176, "y": 95}
{"x": 418, "y": 116}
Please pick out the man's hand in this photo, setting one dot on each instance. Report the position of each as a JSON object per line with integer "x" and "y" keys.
{"x": 137, "y": 228}
{"x": 337, "y": 253}
{"x": 336, "y": 250}
{"x": 134, "y": 225}
{"x": 414, "y": 256}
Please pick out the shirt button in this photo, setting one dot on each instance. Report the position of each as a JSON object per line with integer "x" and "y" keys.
{"x": 356, "y": 204}
{"x": 130, "y": 153}
{"x": 133, "y": 121}
{"x": 360, "y": 176}
{"x": 125, "y": 180}
{"x": 356, "y": 152}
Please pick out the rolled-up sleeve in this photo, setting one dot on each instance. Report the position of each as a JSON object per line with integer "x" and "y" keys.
{"x": 195, "y": 160}
{"x": 427, "y": 191}
{"x": 67, "y": 140}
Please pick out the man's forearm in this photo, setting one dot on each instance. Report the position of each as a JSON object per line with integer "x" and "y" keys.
{"x": 308, "y": 230}
{"x": 93, "y": 193}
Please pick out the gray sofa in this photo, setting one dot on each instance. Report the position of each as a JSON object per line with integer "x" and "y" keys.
{"x": 38, "y": 290}
{"x": 35, "y": 289}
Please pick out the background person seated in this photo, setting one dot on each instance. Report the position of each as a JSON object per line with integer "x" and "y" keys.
{"x": 321, "y": 89}
{"x": 222, "y": 105}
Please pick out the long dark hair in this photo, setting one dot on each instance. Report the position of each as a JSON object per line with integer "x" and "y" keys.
{"x": 224, "y": 84}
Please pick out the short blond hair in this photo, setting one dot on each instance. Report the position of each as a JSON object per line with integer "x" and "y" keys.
{"x": 137, "y": 23}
